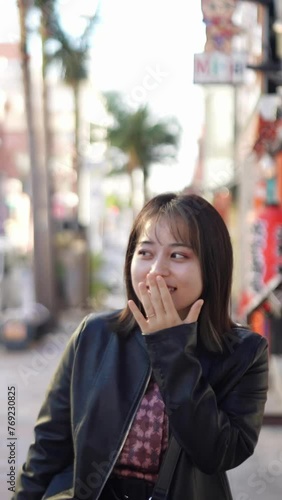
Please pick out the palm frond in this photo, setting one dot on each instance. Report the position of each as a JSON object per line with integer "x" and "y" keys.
{"x": 139, "y": 135}
{"x": 73, "y": 53}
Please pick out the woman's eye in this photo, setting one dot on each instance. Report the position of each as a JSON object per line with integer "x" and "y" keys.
{"x": 176, "y": 255}
{"x": 144, "y": 253}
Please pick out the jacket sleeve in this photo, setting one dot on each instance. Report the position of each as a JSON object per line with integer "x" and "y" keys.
{"x": 217, "y": 433}
{"x": 52, "y": 449}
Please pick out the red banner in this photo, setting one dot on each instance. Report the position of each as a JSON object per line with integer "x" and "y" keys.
{"x": 266, "y": 247}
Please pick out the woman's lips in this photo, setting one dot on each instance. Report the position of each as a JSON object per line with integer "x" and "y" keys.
{"x": 171, "y": 289}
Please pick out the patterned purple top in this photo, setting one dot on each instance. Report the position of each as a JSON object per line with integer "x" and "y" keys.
{"x": 147, "y": 439}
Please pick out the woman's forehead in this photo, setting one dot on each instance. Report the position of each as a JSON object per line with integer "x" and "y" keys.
{"x": 156, "y": 226}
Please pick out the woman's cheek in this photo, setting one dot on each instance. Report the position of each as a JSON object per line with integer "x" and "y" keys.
{"x": 135, "y": 277}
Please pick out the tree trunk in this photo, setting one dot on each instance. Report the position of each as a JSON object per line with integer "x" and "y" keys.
{"x": 43, "y": 272}
{"x": 131, "y": 166}
{"x": 145, "y": 185}
{"x": 77, "y": 131}
{"x": 48, "y": 146}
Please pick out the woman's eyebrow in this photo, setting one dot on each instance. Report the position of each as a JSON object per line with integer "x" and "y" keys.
{"x": 173, "y": 245}
{"x": 145, "y": 242}
{"x": 180, "y": 244}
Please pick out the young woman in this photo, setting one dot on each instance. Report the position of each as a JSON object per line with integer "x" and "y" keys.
{"x": 170, "y": 367}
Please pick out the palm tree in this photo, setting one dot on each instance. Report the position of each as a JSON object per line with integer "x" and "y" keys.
{"x": 72, "y": 57}
{"x": 43, "y": 268}
{"x": 144, "y": 140}
{"x": 47, "y": 10}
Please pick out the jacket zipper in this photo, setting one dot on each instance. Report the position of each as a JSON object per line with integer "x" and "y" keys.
{"x": 127, "y": 432}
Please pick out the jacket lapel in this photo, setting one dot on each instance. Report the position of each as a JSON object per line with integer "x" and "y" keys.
{"x": 118, "y": 390}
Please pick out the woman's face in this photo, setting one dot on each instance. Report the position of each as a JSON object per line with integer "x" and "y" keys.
{"x": 158, "y": 252}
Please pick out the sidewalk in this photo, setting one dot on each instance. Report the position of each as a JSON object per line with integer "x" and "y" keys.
{"x": 274, "y": 400}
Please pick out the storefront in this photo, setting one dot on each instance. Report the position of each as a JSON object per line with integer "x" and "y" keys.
{"x": 241, "y": 153}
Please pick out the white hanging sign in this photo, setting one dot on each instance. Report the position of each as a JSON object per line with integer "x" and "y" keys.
{"x": 217, "y": 67}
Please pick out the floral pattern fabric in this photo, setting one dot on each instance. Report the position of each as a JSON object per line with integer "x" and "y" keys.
{"x": 147, "y": 439}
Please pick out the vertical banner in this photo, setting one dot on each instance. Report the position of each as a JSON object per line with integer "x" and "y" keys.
{"x": 266, "y": 247}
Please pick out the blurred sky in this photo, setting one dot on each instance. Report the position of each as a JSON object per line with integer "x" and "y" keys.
{"x": 141, "y": 44}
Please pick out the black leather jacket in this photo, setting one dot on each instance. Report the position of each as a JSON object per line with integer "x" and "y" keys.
{"x": 215, "y": 404}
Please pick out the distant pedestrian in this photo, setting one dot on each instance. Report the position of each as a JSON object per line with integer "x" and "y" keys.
{"x": 160, "y": 399}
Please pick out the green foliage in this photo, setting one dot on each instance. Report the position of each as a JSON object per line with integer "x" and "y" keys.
{"x": 140, "y": 136}
{"x": 114, "y": 200}
{"x": 98, "y": 287}
{"x": 72, "y": 53}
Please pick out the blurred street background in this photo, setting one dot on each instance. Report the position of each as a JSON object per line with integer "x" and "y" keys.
{"x": 104, "y": 104}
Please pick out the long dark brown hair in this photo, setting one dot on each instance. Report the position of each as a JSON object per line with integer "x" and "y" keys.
{"x": 190, "y": 216}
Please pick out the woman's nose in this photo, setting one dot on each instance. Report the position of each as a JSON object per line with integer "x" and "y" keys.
{"x": 159, "y": 267}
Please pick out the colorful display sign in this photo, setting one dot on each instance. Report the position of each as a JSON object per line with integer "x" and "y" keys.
{"x": 219, "y": 63}
{"x": 220, "y": 28}
{"x": 266, "y": 247}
